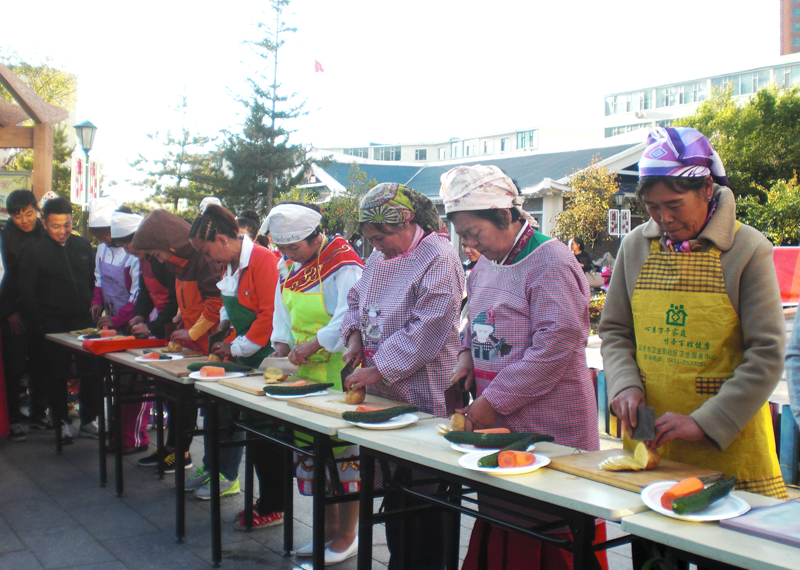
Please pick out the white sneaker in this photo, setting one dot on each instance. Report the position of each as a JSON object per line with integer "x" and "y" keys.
{"x": 89, "y": 430}
{"x": 66, "y": 434}
{"x": 332, "y": 557}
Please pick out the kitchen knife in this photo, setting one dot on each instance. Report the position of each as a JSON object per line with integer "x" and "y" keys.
{"x": 645, "y": 429}
{"x": 218, "y": 337}
{"x": 455, "y": 397}
{"x": 346, "y": 371}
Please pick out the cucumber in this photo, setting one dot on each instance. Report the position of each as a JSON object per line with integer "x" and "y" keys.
{"x": 380, "y": 415}
{"x": 699, "y": 501}
{"x": 309, "y": 388}
{"x": 484, "y": 439}
{"x": 228, "y": 366}
{"x": 519, "y": 445}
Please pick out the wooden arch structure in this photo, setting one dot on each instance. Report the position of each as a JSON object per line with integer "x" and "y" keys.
{"x": 39, "y": 137}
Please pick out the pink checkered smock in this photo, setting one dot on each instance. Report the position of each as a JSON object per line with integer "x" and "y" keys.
{"x": 407, "y": 309}
{"x": 528, "y": 327}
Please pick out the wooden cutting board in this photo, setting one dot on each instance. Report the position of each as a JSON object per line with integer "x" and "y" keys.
{"x": 333, "y": 405}
{"x": 185, "y": 353}
{"x": 250, "y": 384}
{"x": 585, "y": 465}
{"x": 175, "y": 367}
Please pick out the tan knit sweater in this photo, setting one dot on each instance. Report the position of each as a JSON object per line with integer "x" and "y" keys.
{"x": 752, "y": 286}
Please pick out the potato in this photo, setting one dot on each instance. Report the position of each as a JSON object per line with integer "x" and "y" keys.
{"x": 214, "y": 358}
{"x": 355, "y": 396}
{"x": 645, "y": 456}
{"x": 274, "y": 375}
{"x": 620, "y": 463}
{"x": 458, "y": 422}
{"x": 174, "y": 346}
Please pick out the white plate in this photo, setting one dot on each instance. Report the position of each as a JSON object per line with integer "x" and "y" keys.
{"x": 196, "y": 376}
{"x": 169, "y": 357}
{"x": 726, "y": 508}
{"x": 294, "y": 396}
{"x": 469, "y": 448}
{"x": 396, "y": 422}
{"x": 83, "y": 337}
{"x": 470, "y": 461}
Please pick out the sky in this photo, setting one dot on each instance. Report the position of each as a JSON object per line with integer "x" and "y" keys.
{"x": 394, "y": 71}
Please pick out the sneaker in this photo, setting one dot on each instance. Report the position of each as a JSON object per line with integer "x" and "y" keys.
{"x": 66, "y": 434}
{"x": 227, "y": 488}
{"x": 41, "y": 423}
{"x": 197, "y": 480}
{"x": 89, "y": 430}
{"x": 18, "y": 433}
{"x": 149, "y": 461}
{"x": 268, "y": 520}
{"x": 169, "y": 463}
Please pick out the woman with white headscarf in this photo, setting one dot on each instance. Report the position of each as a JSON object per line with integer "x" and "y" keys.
{"x": 524, "y": 345}
{"x": 314, "y": 293}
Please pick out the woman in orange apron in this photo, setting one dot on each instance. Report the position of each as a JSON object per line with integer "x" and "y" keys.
{"x": 692, "y": 323}
{"x": 309, "y": 306}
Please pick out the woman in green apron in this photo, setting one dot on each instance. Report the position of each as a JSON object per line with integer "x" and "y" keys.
{"x": 309, "y": 306}
{"x": 247, "y": 287}
{"x": 693, "y": 323}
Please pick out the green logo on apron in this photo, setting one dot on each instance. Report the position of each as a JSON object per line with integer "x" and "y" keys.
{"x": 676, "y": 316}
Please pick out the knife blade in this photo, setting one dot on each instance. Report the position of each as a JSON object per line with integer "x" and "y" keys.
{"x": 346, "y": 371}
{"x": 645, "y": 429}
{"x": 218, "y": 337}
{"x": 455, "y": 397}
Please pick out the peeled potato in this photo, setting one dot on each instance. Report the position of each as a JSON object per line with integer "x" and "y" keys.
{"x": 214, "y": 358}
{"x": 645, "y": 456}
{"x": 620, "y": 463}
{"x": 174, "y": 346}
{"x": 355, "y": 396}
{"x": 274, "y": 375}
{"x": 458, "y": 422}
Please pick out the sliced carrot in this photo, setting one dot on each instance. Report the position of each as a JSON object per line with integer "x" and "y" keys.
{"x": 299, "y": 383}
{"x": 683, "y": 488}
{"x": 493, "y": 430}
{"x": 515, "y": 459}
{"x": 107, "y": 333}
{"x": 151, "y": 356}
{"x": 211, "y": 371}
{"x": 369, "y": 409}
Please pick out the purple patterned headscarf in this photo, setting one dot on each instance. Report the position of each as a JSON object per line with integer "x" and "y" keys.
{"x": 682, "y": 152}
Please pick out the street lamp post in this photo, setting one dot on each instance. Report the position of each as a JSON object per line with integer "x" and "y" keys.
{"x": 86, "y": 131}
{"x": 619, "y": 200}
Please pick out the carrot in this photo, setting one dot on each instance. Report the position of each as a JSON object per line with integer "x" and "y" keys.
{"x": 107, "y": 333}
{"x": 515, "y": 459}
{"x": 683, "y": 488}
{"x": 151, "y": 356}
{"x": 493, "y": 430}
{"x": 299, "y": 383}
{"x": 210, "y": 371}
{"x": 368, "y": 409}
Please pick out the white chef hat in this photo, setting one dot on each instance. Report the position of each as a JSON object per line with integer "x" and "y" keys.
{"x": 290, "y": 223}
{"x": 207, "y": 201}
{"x": 100, "y": 210}
{"x": 124, "y": 224}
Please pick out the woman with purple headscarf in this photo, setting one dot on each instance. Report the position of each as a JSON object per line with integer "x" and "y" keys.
{"x": 692, "y": 323}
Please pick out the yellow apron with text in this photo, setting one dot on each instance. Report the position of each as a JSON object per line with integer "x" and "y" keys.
{"x": 688, "y": 343}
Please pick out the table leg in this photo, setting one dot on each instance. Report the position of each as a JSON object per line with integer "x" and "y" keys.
{"x": 160, "y": 436}
{"x": 318, "y": 509}
{"x": 288, "y": 500}
{"x": 116, "y": 422}
{"x": 55, "y": 411}
{"x": 584, "y": 558}
{"x": 453, "y": 528}
{"x": 212, "y": 452}
{"x": 180, "y": 406}
{"x": 101, "y": 371}
{"x": 249, "y": 450}
{"x": 365, "y": 523}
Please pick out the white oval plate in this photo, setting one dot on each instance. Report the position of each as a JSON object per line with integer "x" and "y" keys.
{"x": 196, "y": 376}
{"x": 170, "y": 357}
{"x": 295, "y": 396}
{"x": 726, "y": 508}
{"x": 469, "y": 448}
{"x": 470, "y": 461}
{"x": 396, "y": 422}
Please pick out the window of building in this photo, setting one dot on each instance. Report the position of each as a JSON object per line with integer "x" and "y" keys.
{"x": 628, "y": 103}
{"x": 505, "y": 144}
{"x": 391, "y": 153}
{"x": 528, "y": 139}
{"x": 647, "y": 100}
{"x": 442, "y": 153}
{"x": 488, "y": 147}
{"x": 795, "y": 12}
{"x": 609, "y": 106}
{"x": 359, "y": 152}
{"x": 796, "y": 42}
{"x": 421, "y": 154}
{"x": 471, "y": 147}
{"x": 796, "y": 26}
{"x": 454, "y": 150}
{"x": 724, "y": 83}
{"x": 681, "y": 95}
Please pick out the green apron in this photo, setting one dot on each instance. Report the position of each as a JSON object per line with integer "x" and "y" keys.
{"x": 242, "y": 318}
{"x": 307, "y": 311}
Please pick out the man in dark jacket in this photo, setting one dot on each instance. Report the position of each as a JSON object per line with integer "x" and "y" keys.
{"x": 22, "y": 227}
{"x": 56, "y": 285}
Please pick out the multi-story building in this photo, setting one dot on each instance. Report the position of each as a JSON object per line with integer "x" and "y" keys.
{"x": 506, "y": 143}
{"x": 790, "y": 26}
{"x": 658, "y": 106}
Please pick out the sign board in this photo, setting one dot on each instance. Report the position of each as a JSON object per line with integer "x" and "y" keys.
{"x": 10, "y": 181}
{"x": 619, "y": 222}
{"x": 76, "y": 189}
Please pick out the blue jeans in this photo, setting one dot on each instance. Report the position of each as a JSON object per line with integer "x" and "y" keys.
{"x": 793, "y": 368}
{"x": 229, "y": 457}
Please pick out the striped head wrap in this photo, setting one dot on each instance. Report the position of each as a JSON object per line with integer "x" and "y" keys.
{"x": 681, "y": 152}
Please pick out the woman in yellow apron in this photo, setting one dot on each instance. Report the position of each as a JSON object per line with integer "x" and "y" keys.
{"x": 693, "y": 323}
{"x": 309, "y": 306}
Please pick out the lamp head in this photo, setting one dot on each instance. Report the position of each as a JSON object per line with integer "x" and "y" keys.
{"x": 86, "y": 131}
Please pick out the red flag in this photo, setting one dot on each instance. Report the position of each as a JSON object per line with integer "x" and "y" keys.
{"x": 318, "y": 67}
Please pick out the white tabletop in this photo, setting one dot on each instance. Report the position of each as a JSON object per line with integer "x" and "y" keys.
{"x": 422, "y": 444}
{"x": 278, "y": 409}
{"x": 129, "y": 361}
{"x": 711, "y": 541}
{"x": 68, "y": 340}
